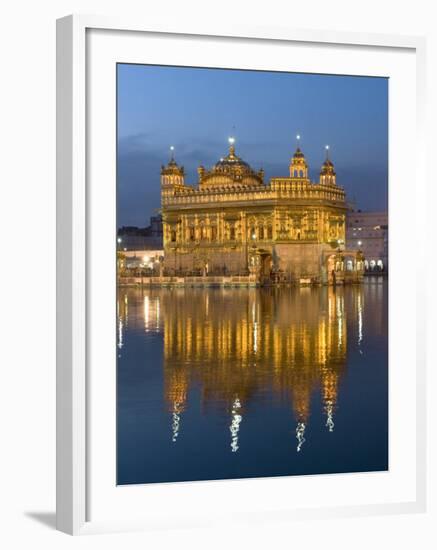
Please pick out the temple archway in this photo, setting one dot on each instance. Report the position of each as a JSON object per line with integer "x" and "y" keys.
{"x": 266, "y": 265}
{"x": 330, "y": 267}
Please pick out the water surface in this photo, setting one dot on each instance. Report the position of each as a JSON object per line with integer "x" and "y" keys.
{"x": 233, "y": 383}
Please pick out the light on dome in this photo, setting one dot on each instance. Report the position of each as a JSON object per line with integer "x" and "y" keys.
{"x": 231, "y": 140}
{"x": 171, "y": 148}
{"x": 327, "y": 147}
{"x": 298, "y": 136}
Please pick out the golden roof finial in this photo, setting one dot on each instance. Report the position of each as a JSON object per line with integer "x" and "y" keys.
{"x": 297, "y": 141}
{"x": 231, "y": 141}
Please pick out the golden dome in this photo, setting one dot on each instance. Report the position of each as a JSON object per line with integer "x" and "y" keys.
{"x": 231, "y": 161}
{"x": 298, "y": 154}
{"x": 327, "y": 168}
{"x": 172, "y": 168}
{"x": 230, "y": 170}
{"x": 327, "y": 172}
{"x": 298, "y": 165}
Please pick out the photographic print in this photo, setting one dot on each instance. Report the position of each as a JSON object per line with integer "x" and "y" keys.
{"x": 252, "y": 274}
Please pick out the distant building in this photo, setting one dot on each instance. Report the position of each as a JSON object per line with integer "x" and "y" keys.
{"x": 156, "y": 226}
{"x": 131, "y": 238}
{"x": 368, "y": 231}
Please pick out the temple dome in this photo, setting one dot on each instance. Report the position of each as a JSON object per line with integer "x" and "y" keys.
{"x": 298, "y": 165}
{"x": 327, "y": 167}
{"x": 298, "y": 154}
{"x": 327, "y": 172}
{"x": 172, "y": 167}
{"x": 230, "y": 170}
{"x": 232, "y": 162}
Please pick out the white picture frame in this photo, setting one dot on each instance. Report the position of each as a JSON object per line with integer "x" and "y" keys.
{"x": 74, "y": 396}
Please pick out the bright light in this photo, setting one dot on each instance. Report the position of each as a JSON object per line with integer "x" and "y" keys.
{"x": 171, "y": 147}
{"x": 231, "y": 140}
{"x": 119, "y": 240}
{"x": 146, "y": 259}
{"x": 298, "y": 136}
{"x": 329, "y": 418}
{"x": 359, "y": 243}
{"x": 235, "y": 424}
{"x": 327, "y": 147}
{"x": 300, "y": 431}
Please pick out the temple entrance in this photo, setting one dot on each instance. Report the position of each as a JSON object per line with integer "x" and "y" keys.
{"x": 260, "y": 264}
{"x": 265, "y": 265}
{"x": 330, "y": 267}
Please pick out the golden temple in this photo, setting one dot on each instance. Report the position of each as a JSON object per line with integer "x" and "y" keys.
{"x": 232, "y": 223}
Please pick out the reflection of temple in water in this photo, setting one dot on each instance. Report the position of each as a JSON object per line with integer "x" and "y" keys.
{"x": 234, "y": 345}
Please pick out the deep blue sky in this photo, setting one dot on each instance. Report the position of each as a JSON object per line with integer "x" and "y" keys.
{"x": 195, "y": 110}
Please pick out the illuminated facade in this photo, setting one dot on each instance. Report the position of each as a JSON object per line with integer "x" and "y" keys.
{"x": 232, "y": 223}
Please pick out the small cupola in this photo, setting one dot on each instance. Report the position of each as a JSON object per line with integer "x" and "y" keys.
{"x": 327, "y": 172}
{"x": 298, "y": 164}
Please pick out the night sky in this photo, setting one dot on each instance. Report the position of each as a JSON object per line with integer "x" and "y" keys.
{"x": 195, "y": 110}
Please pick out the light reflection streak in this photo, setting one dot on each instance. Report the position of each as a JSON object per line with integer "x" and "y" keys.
{"x": 158, "y": 312}
{"x": 255, "y": 337}
{"x": 360, "y": 320}
{"x": 120, "y": 333}
{"x": 235, "y": 424}
{"x": 146, "y": 313}
{"x": 300, "y": 431}
{"x": 176, "y": 422}
{"x": 330, "y": 417}
{"x": 123, "y": 318}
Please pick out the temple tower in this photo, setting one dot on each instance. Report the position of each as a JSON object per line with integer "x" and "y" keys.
{"x": 298, "y": 164}
{"x": 327, "y": 172}
{"x": 172, "y": 175}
